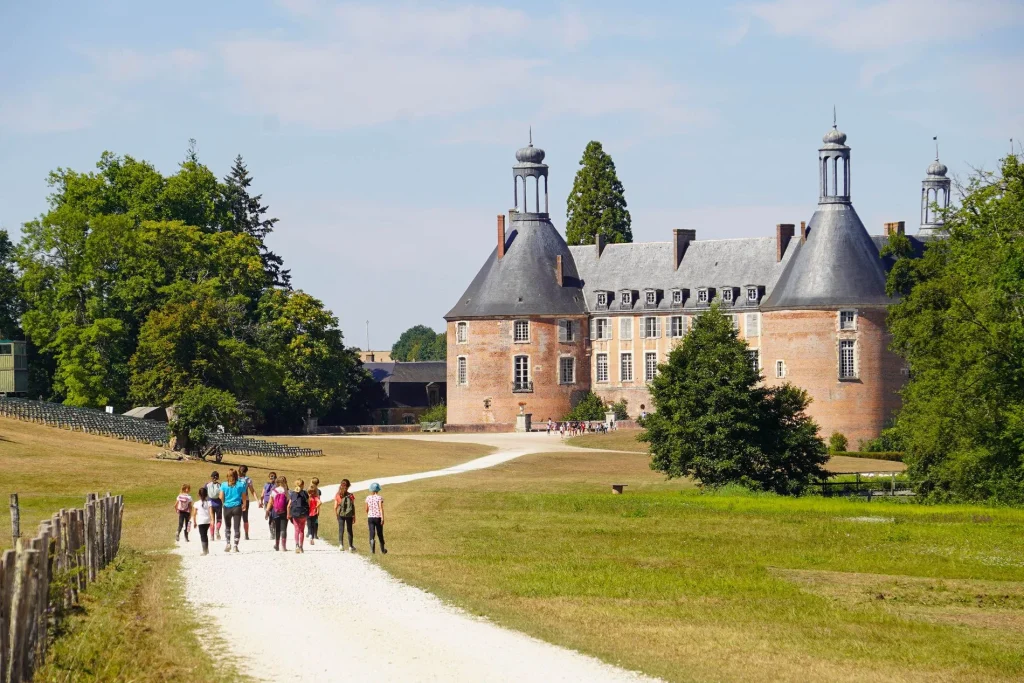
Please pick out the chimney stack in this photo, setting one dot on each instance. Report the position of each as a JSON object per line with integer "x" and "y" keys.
{"x": 783, "y": 234}
{"x": 501, "y": 235}
{"x": 803, "y": 232}
{"x": 680, "y": 241}
{"x": 558, "y": 270}
{"x": 896, "y": 228}
{"x": 599, "y": 242}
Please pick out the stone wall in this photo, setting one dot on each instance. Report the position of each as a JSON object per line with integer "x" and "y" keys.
{"x": 487, "y": 397}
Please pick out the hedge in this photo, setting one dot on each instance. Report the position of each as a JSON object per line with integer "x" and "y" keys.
{"x": 894, "y": 456}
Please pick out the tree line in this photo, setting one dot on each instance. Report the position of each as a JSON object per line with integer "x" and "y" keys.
{"x": 136, "y": 288}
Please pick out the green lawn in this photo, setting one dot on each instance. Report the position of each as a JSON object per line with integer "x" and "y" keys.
{"x": 732, "y": 586}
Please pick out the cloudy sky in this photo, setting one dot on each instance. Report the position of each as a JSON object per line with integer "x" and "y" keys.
{"x": 382, "y": 134}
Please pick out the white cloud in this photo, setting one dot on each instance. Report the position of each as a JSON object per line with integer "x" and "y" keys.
{"x": 884, "y": 26}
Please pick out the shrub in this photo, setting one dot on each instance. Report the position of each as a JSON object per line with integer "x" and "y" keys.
{"x": 837, "y": 443}
{"x": 590, "y": 407}
{"x": 893, "y": 456}
{"x": 621, "y": 412}
{"x": 199, "y": 412}
{"x": 438, "y": 413}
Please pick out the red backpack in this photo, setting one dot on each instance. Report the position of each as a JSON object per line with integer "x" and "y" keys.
{"x": 280, "y": 499}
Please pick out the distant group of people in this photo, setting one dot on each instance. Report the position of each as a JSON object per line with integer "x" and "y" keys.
{"x": 578, "y": 427}
{"x": 225, "y": 505}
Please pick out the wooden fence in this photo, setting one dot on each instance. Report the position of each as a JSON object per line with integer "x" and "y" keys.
{"x": 42, "y": 578}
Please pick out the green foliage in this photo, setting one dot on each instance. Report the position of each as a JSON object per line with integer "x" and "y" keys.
{"x": 597, "y": 203}
{"x": 837, "y": 442}
{"x": 589, "y": 407}
{"x": 10, "y": 297}
{"x": 437, "y": 413}
{"x": 419, "y": 342}
{"x": 621, "y": 410}
{"x": 200, "y": 410}
{"x": 892, "y": 456}
{"x": 244, "y": 213}
{"x": 960, "y": 329}
{"x": 714, "y": 421}
{"x": 888, "y": 441}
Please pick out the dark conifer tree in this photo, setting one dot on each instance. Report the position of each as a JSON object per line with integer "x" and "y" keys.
{"x": 246, "y": 213}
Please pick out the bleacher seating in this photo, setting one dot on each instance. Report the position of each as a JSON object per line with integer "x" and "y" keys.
{"x": 94, "y": 421}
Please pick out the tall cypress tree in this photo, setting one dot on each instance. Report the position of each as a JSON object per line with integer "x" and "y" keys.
{"x": 246, "y": 213}
{"x": 597, "y": 203}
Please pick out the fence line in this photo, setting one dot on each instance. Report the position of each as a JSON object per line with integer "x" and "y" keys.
{"x": 42, "y": 578}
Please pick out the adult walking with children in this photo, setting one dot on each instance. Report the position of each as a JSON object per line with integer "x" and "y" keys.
{"x": 235, "y": 499}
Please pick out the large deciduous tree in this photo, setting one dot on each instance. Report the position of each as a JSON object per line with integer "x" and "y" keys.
{"x": 960, "y": 328}
{"x": 597, "y": 203}
{"x": 419, "y": 342}
{"x": 716, "y": 422}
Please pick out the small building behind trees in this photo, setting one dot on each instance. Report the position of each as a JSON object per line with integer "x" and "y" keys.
{"x": 411, "y": 389}
{"x": 13, "y": 367}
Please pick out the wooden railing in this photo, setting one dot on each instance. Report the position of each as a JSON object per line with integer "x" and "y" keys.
{"x": 42, "y": 578}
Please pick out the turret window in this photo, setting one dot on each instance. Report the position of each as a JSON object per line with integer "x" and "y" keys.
{"x": 521, "y": 374}
{"x": 847, "y": 320}
{"x": 461, "y": 332}
{"x": 521, "y": 331}
{"x": 780, "y": 368}
{"x": 462, "y": 375}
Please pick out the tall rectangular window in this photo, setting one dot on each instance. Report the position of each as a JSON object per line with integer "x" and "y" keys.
{"x": 847, "y": 320}
{"x": 780, "y": 368}
{"x": 462, "y": 375}
{"x": 603, "y": 328}
{"x": 626, "y": 367}
{"x": 625, "y": 329}
{"x": 735, "y": 320}
{"x": 521, "y": 331}
{"x": 461, "y": 332}
{"x": 847, "y": 369}
{"x": 602, "y": 367}
{"x": 650, "y": 365}
{"x": 652, "y": 327}
{"x": 754, "y": 357}
{"x": 566, "y": 370}
{"x": 753, "y": 323}
{"x": 521, "y": 374}
{"x": 677, "y": 326}
{"x": 566, "y": 331}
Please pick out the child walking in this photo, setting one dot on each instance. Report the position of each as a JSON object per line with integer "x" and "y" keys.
{"x": 183, "y": 504}
{"x": 201, "y": 519}
{"x": 375, "y": 517}
{"x": 277, "y": 512}
{"x": 345, "y": 511}
{"x": 298, "y": 511}
{"x": 268, "y": 488}
{"x": 313, "y": 521}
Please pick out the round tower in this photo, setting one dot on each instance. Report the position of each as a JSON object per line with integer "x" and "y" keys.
{"x": 934, "y": 196}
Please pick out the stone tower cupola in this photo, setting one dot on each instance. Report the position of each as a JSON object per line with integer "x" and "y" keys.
{"x": 527, "y": 174}
{"x": 834, "y": 167}
{"x": 934, "y": 195}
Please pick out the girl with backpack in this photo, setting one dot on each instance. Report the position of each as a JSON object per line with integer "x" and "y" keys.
{"x": 201, "y": 519}
{"x": 345, "y": 511}
{"x": 298, "y": 511}
{"x": 265, "y": 499}
{"x": 277, "y": 511}
{"x": 183, "y": 506}
{"x": 313, "y": 521}
{"x": 375, "y": 516}
{"x": 213, "y": 491}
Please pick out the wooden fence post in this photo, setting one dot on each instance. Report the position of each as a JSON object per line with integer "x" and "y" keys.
{"x": 15, "y": 520}
{"x": 7, "y": 563}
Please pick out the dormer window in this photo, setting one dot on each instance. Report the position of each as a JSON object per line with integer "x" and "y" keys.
{"x": 727, "y": 295}
{"x": 650, "y": 297}
{"x": 752, "y": 294}
{"x": 702, "y": 295}
{"x": 602, "y": 299}
{"x": 626, "y": 299}
{"x": 677, "y": 297}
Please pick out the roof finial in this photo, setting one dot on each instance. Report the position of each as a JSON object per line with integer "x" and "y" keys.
{"x": 531, "y": 134}
{"x": 833, "y": 116}
{"x": 936, "y": 138}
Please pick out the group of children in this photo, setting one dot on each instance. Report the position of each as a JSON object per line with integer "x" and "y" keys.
{"x": 227, "y": 504}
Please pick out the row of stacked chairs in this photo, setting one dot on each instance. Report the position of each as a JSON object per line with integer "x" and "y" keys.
{"x": 136, "y": 429}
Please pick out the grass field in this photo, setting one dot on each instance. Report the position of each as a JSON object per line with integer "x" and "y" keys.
{"x": 626, "y": 440}
{"x": 730, "y": 586}
{"x": 139, "y": 627}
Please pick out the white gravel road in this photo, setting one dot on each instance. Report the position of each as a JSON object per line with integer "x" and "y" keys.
{"x": 326, "y": 614}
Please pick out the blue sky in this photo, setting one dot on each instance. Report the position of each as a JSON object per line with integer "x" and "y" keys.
{"x": 382, "y": 134}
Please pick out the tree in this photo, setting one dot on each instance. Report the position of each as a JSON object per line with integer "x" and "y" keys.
{"x": 837, "y": 443}
{"x": 589, "y": 407}
{"x": 419, "y": 342}
{"x": 199, "y": 411}
{"x": 246, "y": 214}
{"x": 714, "y": 420}
{"x": 10, "y": 297}
{"x": 960, "y": 329}
{"x": 597, "y": 203}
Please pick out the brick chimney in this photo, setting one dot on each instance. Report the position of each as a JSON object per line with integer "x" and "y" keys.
{"x": 599, "y": 242}
{"x": 783, "y": 234}
{"x": 896, "y": 228}
{"x": 501, "y": 235}
{"x": 680, "y": 241}
{"x": 803, "y": 232}
{"x": 558, "y": 270}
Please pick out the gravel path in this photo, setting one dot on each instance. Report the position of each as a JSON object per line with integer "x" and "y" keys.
{"x": 325, "y": 613}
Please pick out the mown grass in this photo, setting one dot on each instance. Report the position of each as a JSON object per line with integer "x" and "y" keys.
{"x": 137, "y": 614}
{"x": 726, "y": 586}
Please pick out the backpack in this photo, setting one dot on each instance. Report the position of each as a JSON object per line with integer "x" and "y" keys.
{"x": 213, "y": 491}
{"x": 280, "y": 499}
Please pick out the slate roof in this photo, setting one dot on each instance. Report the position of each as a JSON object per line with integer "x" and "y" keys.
{"x": 421, "y": 372}
{"x": 381, "y": 372}
{"x": 838, "y": 265}
{"x": 714, "y": 264}
{"x": 522, "y": 282}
